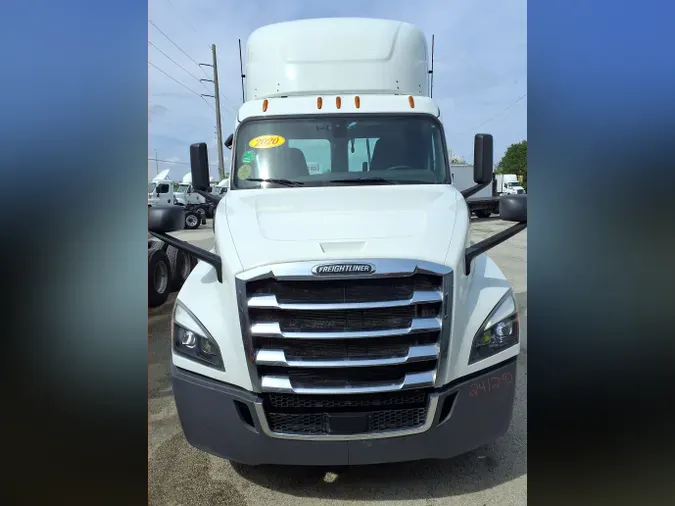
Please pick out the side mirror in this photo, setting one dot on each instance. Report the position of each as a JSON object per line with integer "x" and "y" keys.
{"x": 199, "y": 164}
{"x": 228, "y": 141}
{"x": 482, "y": 158}
{"x": 166, "y": 219}
{"x": 513, "y": 208}
{"x": 157, "y": 192}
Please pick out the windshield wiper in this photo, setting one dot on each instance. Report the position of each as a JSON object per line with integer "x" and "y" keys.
{"x": 375, "y": 180}
{"x": 284, "y": 182}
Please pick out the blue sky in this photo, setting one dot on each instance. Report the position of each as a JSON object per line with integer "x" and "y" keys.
{"x": 480, "y": 66}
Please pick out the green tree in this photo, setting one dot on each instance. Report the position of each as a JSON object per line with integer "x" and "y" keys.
{"x": 514, "y": 161}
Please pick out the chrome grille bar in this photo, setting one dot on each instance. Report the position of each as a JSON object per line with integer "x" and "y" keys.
{"x": 274, "y": 357}
{"x": 419, "y": 325}
{"x": 270, "y": 302}
{"x": 282, "y": 384}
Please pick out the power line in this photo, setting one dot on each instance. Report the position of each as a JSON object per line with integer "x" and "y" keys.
{"x": 183, "y": 18}
{"x": 178, "y": 64}
{"x": 179, "y": 48}
{"x": 231, "y": 113}
{"x": 177, "y": 81}
{"x": 177, "y": 163}
{"x": 495, "y": 116}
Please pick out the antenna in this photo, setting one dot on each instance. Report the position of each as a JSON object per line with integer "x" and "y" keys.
{"x": 241, "y": 71}
{"x": 431, "y": 72}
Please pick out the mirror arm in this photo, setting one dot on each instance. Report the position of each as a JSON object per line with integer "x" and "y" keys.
{"x": 481, "y": 247}
{"x": 209, "y": 197}
{"x": 201, "y": 254}
{"x": 473, "y": 189}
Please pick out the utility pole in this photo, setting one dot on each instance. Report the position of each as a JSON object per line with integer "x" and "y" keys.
{"x": 156, "y": 162}
{"x": 216, "y": 95}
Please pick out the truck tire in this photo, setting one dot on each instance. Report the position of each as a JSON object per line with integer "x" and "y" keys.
{"x": 156, "y": 243}
{"x": 181, "y": 266}
{"x": 159, "y": 277}
{"x": 192, "y": 220}
{"x": 483, "y": 213}
{"x": 201, "y": 211}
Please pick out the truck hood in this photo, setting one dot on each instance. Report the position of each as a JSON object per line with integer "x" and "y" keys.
{"x": 295, "y": 224}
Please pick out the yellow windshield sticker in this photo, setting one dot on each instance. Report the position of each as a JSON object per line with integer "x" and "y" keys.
{"x": 267, "y": 141}
{"x": 244, "y": 171}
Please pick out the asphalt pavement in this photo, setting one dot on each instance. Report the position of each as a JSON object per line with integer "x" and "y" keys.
{"x": 492, "y": 475}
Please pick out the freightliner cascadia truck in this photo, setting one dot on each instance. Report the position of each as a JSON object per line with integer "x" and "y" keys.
{"x": 343, "y": 315}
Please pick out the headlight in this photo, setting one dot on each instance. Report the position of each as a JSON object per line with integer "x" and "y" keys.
{"x": 499, "y": 332}
{"x": 190, "y": 338}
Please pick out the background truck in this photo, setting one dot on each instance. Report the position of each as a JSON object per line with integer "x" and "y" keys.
{"x": 161, "y": 193}
{"x": 222, "y": 187}
{"x": 160, "y": 190}
{"x": 186, "y": 196}
{"x": 508, "y": 184}
{"x": 343, "y": 316}
{"x": 485, "y": 202}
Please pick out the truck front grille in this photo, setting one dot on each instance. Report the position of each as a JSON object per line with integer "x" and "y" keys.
{"x": 414, "y": 398}
{"x": 310, "y": 414}
{"x": 323, "y": 347}
{"x": 315, "y": 424}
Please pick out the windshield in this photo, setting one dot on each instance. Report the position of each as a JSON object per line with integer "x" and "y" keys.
{"x": 151, "y": 187}
{"x": 183, "y": 188}
{"x": 340, "y": 150}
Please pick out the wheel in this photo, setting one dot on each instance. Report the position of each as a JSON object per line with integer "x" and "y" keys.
{"x": 201, "y": 211}
{"x": 156, "y": 243}
{"x": 192, "y": 220}
{"x": 181, "y": 266}
{"x": 483, "y": 213}
{"x": 159, "y": 277}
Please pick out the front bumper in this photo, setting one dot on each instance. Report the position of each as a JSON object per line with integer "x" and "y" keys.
{"x": 221, "y": 420}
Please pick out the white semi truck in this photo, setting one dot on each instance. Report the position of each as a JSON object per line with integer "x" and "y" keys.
{"x": 508, "y": 184}
{"x": 185, "y": 195}
{"x": 161, "y": 193}
{"x": 343, "y": 315}
{"x": 221, "y": 188}
{"x": 160, "y": 190}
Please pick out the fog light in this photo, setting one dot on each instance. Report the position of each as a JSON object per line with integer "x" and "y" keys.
{"x": 206, "y": 347}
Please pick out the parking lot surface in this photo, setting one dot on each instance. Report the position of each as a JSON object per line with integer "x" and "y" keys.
{"x": 492, "y": 475}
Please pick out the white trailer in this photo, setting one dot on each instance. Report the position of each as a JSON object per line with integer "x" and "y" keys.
{"x": 343, "y": 316}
